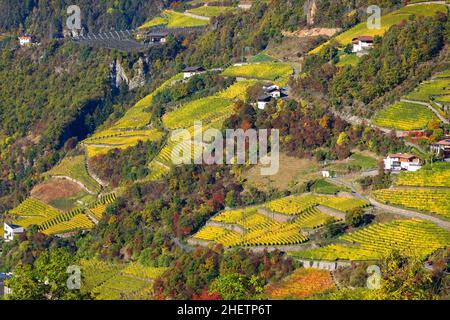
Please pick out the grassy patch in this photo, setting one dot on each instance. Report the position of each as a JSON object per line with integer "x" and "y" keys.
{"x": 348, "y": 60}
{"x": 292, "y": 173}
{"x": 324, "y": 187}
{"x": 75, "y": 168}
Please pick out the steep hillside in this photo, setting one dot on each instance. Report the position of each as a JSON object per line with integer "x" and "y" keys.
{"x": 53, "y": 95}
{"x": 48, "y": 18}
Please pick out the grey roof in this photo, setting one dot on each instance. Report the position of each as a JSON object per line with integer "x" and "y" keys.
{"x": 264, "y": 98}
{"x": 158, "y": 34}
{"x": 14, "y": 226}
{"x": 193, "y": 69}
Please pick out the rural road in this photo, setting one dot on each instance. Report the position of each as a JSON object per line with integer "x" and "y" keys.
{"x": 403, "y": 212}
{"x": 195, "y": 16}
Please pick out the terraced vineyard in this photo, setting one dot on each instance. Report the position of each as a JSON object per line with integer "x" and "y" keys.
{"x": 435, "y": 175}
{"x": 410, "y": 237}
{"x": 120, "y": 287}
{"x": 388, "y": 21}
{"x": 312, "y": 219}
{"x": 34, "y": 208}
{"x": 99, "y": 208}
{"x": 52, "y": 221}
{"x": 404, "y": 116}
{"x": 427, "y": 200}
{"x": 296, "y": 205}
{"x": 238, "y": 90}
{"x": 204, "y": 110}
{"x": 138, "y": 270}
{"x": 211, "y": 11}
{"x": 130, "y": 129}
{"x": 443, "y": 75}
{"x": 212, "y": 111}
{"x": 172, "y": 19}
{"x": 431, "y": 90}
{"x": 273, "y": 71}
{"x": 122, "y": 140}
{"x": 258, "y": 229}
{"x": 95, "y": 272}
{"x": 75, "y": 168}
{"x": 106, "y": 281}
{"x": 301, "y": 284}
{"x": 77, "y": 222}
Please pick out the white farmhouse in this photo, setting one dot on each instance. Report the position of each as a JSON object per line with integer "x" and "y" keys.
{"x": 326, "y": 174}
{"x": 192, "y": 71}
{"x": 245, "y": 4}
{"x": 272, "y": 90}
{"x": 263, "y": 101}
{"x": 442, "y": 148}
{"x": 362, "y": 43}
{"x": 25, "y": 40}
{"x": 402, "y": 162}
{"x": 10, "y": 230}
{"x": 158, "y": 37}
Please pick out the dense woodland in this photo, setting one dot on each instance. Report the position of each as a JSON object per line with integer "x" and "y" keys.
{"x": 47, "y": 18}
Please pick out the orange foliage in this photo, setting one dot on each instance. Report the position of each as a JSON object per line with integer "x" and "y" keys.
{"x": 301, "y": 284}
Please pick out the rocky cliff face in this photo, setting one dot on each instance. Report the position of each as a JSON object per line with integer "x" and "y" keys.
{"x": 119, "y": 77}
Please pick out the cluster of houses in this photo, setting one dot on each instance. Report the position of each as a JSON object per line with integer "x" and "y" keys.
{"x": 270, "y": 92}
{"x": 409, "y": 162}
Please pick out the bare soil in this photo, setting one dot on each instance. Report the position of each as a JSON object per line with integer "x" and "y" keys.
{"x": 55, "y": 189}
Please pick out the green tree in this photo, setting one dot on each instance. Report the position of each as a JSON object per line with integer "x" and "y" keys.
{"x": 234, "y": 286}
{"x": 24, "y": 285}
{"x": 355, "y": 217}
{"x": 405, "y": 278}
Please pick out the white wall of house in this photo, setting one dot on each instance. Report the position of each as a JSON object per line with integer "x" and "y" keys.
{"x": 187, "y": 75}
{"x": 275, "y": 94}
{"x": 326, "y": 174}
{"x": 396, "y": 164}
{"x": 24, "y": 41}
{"x": 10, "y": 232}
{"x": 361, "y": 46}
{"x": 262, "y": 105}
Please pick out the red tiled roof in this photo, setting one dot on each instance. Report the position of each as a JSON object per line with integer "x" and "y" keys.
{"x": 445, "y": 142}
{"x": 363, "y": 39}
{"x": 402, "y": 155}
